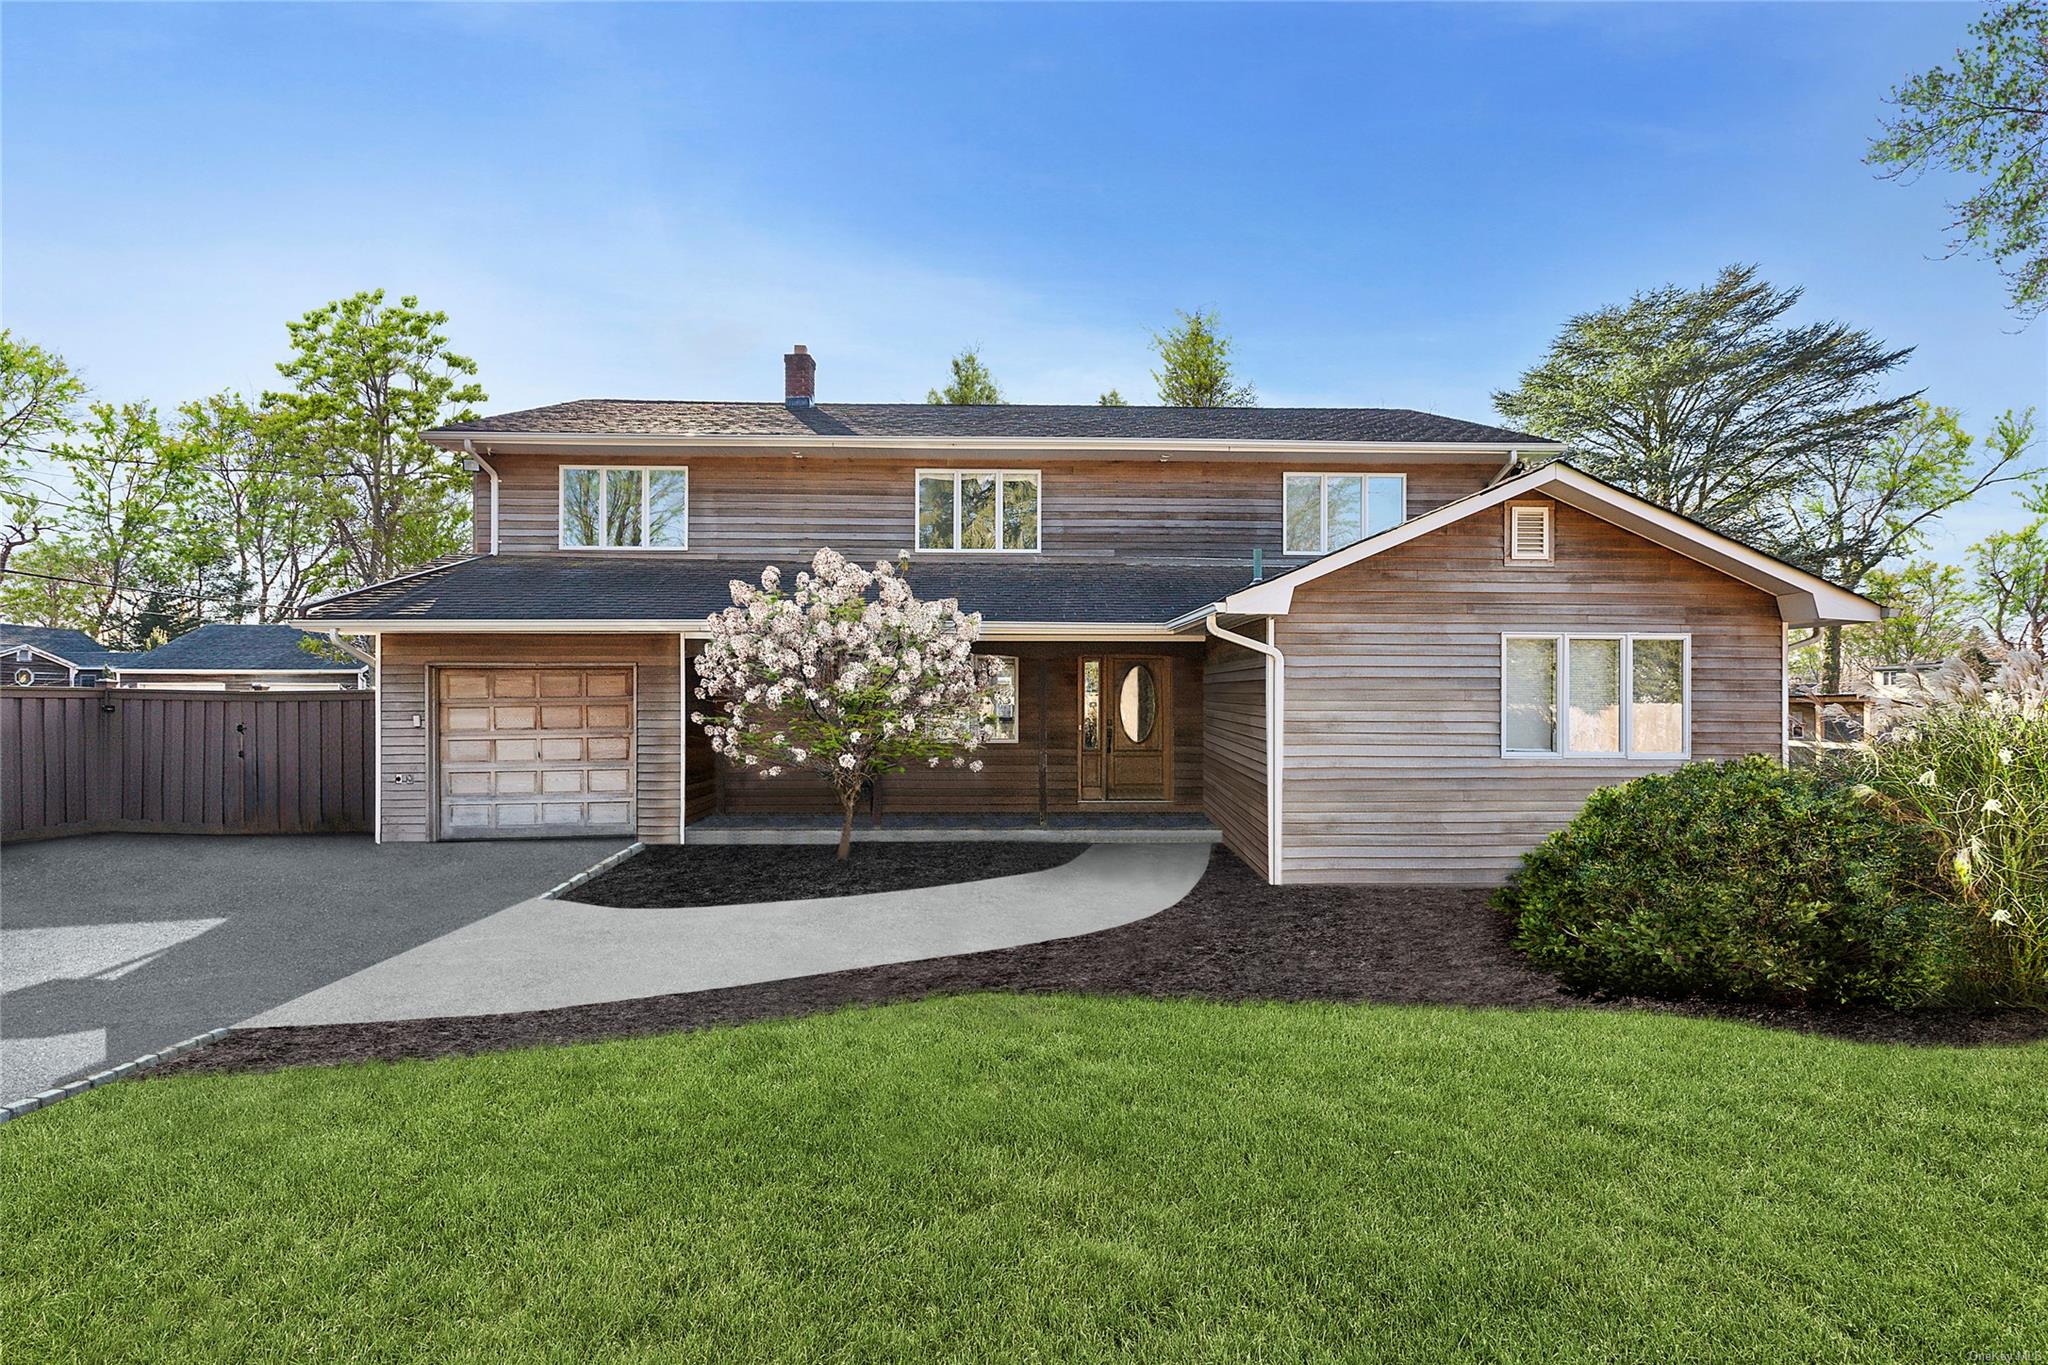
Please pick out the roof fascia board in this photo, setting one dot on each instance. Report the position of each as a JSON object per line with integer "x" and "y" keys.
{"x": 452, "y": 440}
{"x": 1813, "y": 599}
{"x": 695, "y": 628}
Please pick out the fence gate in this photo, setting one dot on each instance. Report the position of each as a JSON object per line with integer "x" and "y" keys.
{"x": 88, "y": 760}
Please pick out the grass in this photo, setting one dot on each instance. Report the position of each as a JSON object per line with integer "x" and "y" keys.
{"x": 1019, "y": 1178}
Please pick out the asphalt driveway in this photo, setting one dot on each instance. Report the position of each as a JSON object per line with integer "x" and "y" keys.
{"x": 112, "y": 946}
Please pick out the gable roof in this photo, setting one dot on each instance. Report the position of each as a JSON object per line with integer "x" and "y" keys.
{"x": 652, "y": 593}
{"x": 226, "y": 648}
{"x": 885, "y": 422}
{"x": 73, "y": 647}
{"x": 1804, "y": 599}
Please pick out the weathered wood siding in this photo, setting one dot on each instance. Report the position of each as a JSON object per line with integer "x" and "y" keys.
{"x": 78, "y": 761}
{"x": 1045, "y": 756}
{"x": 1394, "y": 771}
{"x": 408, "y": 777}
{"x": 1193, "y": 511}
{"x": 1234, "y": 750}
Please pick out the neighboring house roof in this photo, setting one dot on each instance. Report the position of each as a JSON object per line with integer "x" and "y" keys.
{"x": 883, "y": 422}
{"x": 649, "y": 592}
{"x": 224, "y": 648}
{"x": 73, "y": 647}
{"x": 1803, "y": 598}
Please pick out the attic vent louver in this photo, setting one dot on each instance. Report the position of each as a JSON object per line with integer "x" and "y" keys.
{"x": 1529, "y": 531}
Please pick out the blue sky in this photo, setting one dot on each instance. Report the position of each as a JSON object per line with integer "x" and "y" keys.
{"x": 1390, "y": 205}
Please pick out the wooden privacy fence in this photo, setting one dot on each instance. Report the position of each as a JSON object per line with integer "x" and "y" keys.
{"x": 88, "y": 760}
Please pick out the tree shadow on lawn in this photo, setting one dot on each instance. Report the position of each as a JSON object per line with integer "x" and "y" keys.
{"x": 1233, "y": 938}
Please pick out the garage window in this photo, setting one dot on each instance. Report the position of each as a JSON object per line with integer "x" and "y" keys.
{"x": 630, "y": 508}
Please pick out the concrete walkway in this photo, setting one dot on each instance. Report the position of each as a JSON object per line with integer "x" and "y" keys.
{"x": 543, "y": 954}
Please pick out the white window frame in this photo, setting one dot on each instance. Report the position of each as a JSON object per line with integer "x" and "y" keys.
{"x": 1549, "y": 555}
{"x": 1001, "y": 476}
{"x": 646, "y": 473}
{"x": 1016, "y": 699}
{"x": 1563, "y": 680}
{"x": 1323, "y": 478}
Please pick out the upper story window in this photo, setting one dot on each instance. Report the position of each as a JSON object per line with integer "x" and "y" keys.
{"x": 984, "y": 511}
{"x": 1326, "y": 512}
{"x": 627, "y": 508}
{"x": 1595, "y": 696}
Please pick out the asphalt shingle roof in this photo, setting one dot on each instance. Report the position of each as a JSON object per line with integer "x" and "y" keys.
{"x": 74, "y": 646}
{"x": 233, "y": 646}
{"x": 1020, "y": 421}
{"x": 566, "y": 588}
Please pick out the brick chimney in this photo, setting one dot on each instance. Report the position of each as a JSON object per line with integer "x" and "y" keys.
{"x": 799, "y": 378}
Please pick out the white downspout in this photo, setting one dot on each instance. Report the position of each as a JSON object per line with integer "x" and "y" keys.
{"x": 469, "y": 450}
{"x": 1507, "y": 468}
{"x": 1276, "y": 736}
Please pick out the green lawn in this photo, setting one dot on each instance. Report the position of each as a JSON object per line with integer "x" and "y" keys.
{"x": 1013, "y": 1178}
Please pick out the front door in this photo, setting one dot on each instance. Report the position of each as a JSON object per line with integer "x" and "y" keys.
{"x": 1126, "y": 735}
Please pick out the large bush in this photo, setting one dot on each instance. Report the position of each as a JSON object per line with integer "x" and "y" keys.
{"x": 1966, "y": 762}
{"x": 1740, "y": 881}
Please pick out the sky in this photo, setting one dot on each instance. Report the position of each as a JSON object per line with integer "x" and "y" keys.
{"x": 1388, "y": 205}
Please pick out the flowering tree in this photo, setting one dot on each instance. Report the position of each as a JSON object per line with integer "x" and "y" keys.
{"x": 828, "y": 680}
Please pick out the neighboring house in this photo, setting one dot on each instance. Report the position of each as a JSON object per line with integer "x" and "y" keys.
{"x": 239, "y": 658}
{"x": 1447, "y": 651}
{"x": 45, "y": 656}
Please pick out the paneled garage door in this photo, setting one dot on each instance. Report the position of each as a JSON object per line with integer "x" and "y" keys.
{"x": 526, "y": 751}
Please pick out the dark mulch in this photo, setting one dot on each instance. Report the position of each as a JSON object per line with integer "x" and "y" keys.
{"x": 1233, "y": 938}
{"x": 740, "y": 874}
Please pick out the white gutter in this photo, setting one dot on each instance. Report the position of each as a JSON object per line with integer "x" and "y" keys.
{"x": 459, "y": 440}
{"x": 469, "y": 452}
{"x": 1276, "y": 738}
{"x": 695, "y": 628}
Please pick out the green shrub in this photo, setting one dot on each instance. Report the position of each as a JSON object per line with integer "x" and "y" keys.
{"x": 1966, "y": 762}
{"x": 1740, "y": 881}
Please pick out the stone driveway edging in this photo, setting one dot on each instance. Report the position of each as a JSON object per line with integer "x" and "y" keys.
{"x": 126, "y": 1069}
{"x": 594, "y": 870}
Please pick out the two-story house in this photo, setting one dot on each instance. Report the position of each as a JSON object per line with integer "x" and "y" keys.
{"x": 1368, "y": 644}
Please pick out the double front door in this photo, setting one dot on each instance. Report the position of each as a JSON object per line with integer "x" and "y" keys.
{"x": 1126, "y": 731}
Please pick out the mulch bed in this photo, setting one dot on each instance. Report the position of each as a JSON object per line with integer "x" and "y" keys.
{"x": 1232, "y": 939}
{"x": 741, "y": 874}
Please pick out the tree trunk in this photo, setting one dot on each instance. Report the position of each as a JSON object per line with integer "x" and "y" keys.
{"x": 1831, "y": 672}
{"x": 847, "y": 803}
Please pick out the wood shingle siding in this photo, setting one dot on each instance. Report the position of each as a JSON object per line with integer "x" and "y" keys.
{"x": 1234, "y": 750}
{"x": 782, "y": 508}
{"x": 658, "y": 775}
{"x": 1394, "y": 770}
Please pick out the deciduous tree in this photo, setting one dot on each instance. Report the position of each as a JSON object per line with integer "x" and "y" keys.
{"x": 1705, "y": 400}
{"x": 368, "y": 379}
{"x": 2010, "y": 569}
{"x": 1194, "y": 366}
{"x": 1857, "y": 510}
{"x": 829, "y": 681}
{"x": 38, "y": 397}
{"x": 1986, "y": 121}
{"x": 259, "y": 518}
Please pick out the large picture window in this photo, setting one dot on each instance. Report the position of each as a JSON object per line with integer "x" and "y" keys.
{"x": 1595, "y": 696}
{"x": 1325, "y": 512}
{"x": 635, "y": 508}
{"x": 980, "y": 511}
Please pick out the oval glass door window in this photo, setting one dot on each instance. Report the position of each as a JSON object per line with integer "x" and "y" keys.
{"x": 1137, "y": 704}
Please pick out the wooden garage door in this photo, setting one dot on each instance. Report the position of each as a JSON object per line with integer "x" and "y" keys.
{"x": 534, "y": 751}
